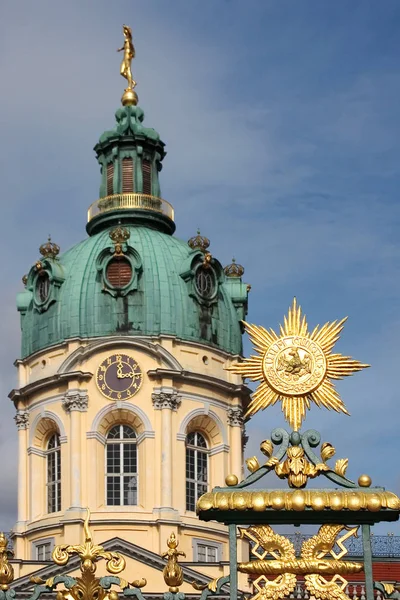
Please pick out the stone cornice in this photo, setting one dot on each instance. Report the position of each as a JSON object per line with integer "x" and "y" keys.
{"x": 48, "y": 382}
{"x": 37, "y": 451}
{"x": 76, "y": 400}
{"x": 200, "y": 378}
{"x": 22, "y": 419}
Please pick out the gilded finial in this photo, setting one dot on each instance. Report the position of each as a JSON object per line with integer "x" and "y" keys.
{"x": 199, "y": 242}
{"x": 129, "y": 97}
{"x": 6, "y": 570}
{"x": 234, "y": 269}
{"x": 119, "y": 235}
{"x": 49, "y": 249}
{"x": 173, "y": 574}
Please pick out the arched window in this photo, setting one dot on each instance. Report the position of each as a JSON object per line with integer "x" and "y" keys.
{"x": 53, "y": 453}
{"x": 196, "y": 468}
{"x": 121, "y": 466}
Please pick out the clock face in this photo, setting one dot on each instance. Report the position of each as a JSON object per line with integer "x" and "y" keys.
{"x": 119, "y": 377}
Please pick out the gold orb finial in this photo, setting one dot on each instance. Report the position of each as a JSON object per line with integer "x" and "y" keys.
{"x": 129, "y": 97}
{"x": 364, "y": 481}
{"x": 231, "y": 480}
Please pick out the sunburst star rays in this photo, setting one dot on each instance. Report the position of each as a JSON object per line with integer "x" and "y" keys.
{"x": 296, "y": 367}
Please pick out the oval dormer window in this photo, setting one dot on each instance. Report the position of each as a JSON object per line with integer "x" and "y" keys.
{"x": 42, "y": 287}
{"x": 119, "y": 272}
{"x": 205, "y": 282}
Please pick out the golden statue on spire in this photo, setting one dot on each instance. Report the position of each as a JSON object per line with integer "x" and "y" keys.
{"x": 129, "y": 97}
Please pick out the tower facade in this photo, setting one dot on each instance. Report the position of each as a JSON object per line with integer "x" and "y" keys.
{"x": 124, "y": 404}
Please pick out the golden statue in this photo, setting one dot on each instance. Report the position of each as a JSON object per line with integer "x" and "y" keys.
{"x": 129, "y": 97}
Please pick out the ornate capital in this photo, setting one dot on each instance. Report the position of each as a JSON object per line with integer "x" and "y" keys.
{"x": 170, "y": 400}
{"x": 235, "y": 416}
{"x": 75, "y": 400}
{"x": 22, "y": 419}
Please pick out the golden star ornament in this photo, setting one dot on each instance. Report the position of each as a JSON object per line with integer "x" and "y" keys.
{"x": 296, "y": 367}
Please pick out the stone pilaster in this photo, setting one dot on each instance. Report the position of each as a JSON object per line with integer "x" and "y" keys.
{"x": 75, "y": 402}
{"x": 166, "y": 400}
{"x": 235, "y": 422}
{"x": 22, "y": 421}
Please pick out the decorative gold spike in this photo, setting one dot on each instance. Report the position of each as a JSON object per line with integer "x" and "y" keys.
{"x": 173, "y": 574}
{"x": 296, "y": 367}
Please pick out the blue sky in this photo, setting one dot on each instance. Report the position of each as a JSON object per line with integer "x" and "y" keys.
{"x": 282, "y": 125}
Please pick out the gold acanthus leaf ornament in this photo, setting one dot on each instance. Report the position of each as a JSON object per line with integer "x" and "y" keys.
{"x": 296, "y": 367}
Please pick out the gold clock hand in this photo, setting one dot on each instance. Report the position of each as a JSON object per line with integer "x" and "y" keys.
{"x": 119, "y": 369}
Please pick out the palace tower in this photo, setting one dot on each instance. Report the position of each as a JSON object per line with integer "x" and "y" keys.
{"x": 124, "y": 404}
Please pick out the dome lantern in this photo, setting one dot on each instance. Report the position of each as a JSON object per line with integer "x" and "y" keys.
{"x": 130, "y": 157}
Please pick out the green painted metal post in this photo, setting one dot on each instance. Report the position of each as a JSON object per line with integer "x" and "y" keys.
{"x": 233, "y": 562}
{"x": 369, "y": 578}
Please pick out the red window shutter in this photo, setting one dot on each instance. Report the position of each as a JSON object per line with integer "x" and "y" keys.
{"x": 146, "y": 170}
{"x": 110, "y": 177}
{"x": 119, "y": 272}
{"x": 127, "y": 175}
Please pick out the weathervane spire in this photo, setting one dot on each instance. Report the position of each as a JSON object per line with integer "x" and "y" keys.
{"x": 129, "y": 97}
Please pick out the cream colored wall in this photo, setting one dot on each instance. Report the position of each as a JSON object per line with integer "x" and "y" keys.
{"x": 205, "y": 396}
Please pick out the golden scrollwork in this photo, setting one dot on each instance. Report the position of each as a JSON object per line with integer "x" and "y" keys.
{"x": 296, "y": 367}
{"x": 89, "y": 554}
{"x": 88, "y": 586}
{"x": 258, "y": 500}
{"x": 296, "y": 468}
{"x": 284, "y": 566}
{"x": 172, "y": 572}
{"x": 6, "y": 570}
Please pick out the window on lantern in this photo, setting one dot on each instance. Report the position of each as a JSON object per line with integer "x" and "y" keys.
{"x": 127, "y": 175}
{"x": 121, "y": 467}
{"x": 119, "y": 272}
{"x": 53, "y": 456}
{"x": 196, "y": 468}
{"x": 110, "y": 177}
{"x": 146, "y": 172}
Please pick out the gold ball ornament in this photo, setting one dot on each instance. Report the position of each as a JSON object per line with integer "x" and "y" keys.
{"x": 231, "y": 480}
{"x": 364, "y": 481}
{"x": 129, "y": 98}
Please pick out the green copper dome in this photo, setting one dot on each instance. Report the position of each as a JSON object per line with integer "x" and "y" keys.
{"x": 162, "y": 296}
{"x": 131, "y": 276}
